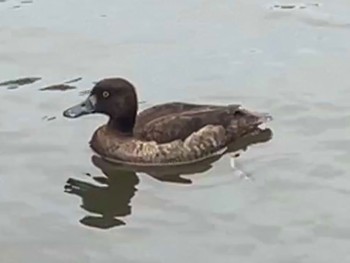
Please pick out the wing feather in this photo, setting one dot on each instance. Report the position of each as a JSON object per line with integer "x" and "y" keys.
{"x": 201, "y": 144}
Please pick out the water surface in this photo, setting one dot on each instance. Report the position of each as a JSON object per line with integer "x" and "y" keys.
{"x": 292, "y": 62}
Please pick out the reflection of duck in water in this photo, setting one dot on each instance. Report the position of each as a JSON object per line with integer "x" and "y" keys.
{"x": 109, "y": 201}
{"x": 114, "y": 199}
{"x": 163, "y": 135}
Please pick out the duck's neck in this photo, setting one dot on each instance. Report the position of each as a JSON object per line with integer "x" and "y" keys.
{"x": 122, "y": 125}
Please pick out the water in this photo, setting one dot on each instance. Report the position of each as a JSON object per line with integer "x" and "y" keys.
{"x": 290, "y": 61}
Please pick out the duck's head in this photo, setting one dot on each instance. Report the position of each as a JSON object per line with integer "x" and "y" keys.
{"x": 115, "y": 97}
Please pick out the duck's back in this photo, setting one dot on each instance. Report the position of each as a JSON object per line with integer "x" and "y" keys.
{"x": 170, "y": 109}
{"x": 168, "y": 122}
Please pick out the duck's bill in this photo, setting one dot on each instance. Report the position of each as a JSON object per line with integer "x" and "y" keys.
{"x": 86, "y": 107}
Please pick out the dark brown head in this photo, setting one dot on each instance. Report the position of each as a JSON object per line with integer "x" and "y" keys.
{"x": 114, "y": 97}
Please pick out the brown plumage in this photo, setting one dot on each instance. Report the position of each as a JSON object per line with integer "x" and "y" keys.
{"x": 170, "y": 133}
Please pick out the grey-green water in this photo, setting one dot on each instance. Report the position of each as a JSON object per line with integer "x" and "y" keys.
{"x": 291, "y": 61}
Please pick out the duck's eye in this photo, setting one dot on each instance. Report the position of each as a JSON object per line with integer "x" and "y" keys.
{"x": 105, "y": 94}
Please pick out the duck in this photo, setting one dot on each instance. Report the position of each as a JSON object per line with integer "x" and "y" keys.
{"x": 170, "y": 133}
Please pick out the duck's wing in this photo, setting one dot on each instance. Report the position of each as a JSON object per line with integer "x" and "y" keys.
{"x": 169, "y": 109}
{"x": 179, "y": 126}
{"x": 207, "y": 142}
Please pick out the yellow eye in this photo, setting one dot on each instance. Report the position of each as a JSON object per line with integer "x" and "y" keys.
{"x": 105, "y": 94}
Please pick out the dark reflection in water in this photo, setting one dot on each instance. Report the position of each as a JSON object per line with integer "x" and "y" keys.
{"x": 113, "y": 198}
{"x": 60, "y": 87}
{"x": 15, "y": 83}
{"x": 108, "y": 201}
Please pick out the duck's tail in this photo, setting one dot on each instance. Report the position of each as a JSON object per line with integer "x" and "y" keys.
{"x": 245, "y": 122}
{"x": 265, "y": 117}
{"x": 262, "y": 118}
